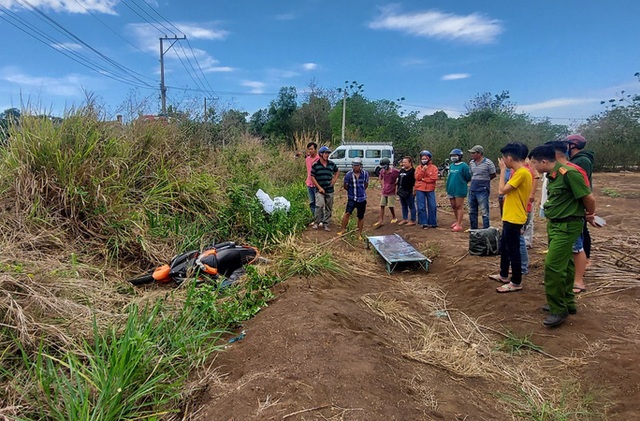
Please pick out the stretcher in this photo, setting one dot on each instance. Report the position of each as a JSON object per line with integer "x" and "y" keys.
{"x": 395, "y": 251}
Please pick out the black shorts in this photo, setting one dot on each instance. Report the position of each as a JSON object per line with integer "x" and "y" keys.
{"x": 361, "y": 207}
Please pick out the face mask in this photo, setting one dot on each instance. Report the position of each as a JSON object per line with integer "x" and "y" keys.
{"x": 455, "y": 158}
{"x": 424, "y": 161}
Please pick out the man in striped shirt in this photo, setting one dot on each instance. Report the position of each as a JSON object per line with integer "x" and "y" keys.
{"x": 324, "y": 174}
{"x": 355, "y": 183}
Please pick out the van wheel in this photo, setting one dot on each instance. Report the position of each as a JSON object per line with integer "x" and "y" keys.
{"x": 376, "y": 172}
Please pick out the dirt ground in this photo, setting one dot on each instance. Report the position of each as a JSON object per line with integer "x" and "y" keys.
{"x": 433, "y": 346}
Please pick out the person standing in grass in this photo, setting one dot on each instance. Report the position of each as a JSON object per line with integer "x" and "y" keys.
{"x": 388, "y": 181}
{"x": 355, "y": 183}
{"x": 569, "y": 203}
{"x": 425, "y": 187}
{"x": 457, "y": 182}
{"x": 406, "y": 181}
{"x": 312, "y": 157}
{"x": 324, "y": 174}
{"x": 516, "y": 193}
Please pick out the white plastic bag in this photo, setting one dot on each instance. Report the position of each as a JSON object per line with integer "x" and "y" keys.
{"x": 270, "y": 205}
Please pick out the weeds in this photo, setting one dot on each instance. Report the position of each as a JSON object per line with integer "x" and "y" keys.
{"x": 607, "y": 191}
{"x": 307, "y": 262}
{"x": 514, "y": 344}
{"x": 570, "y": 404}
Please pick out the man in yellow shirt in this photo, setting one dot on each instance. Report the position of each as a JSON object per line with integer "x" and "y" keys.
{"x": 514, "y": 214}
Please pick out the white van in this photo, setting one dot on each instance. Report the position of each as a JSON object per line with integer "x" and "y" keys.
{"x": 370, "y": 152}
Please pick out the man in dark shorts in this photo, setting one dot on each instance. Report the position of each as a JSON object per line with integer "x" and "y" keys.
{"x": 355, "y": 183}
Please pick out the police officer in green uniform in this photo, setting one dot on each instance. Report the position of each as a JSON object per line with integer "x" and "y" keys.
{"x": 569, "y": 203}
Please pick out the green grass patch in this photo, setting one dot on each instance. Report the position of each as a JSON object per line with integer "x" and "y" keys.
{"x": 515, "y": 344}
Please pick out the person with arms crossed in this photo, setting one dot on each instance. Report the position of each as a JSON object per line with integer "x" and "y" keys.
{"x": 426, "y": 177}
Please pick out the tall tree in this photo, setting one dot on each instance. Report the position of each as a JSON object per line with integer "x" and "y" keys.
{"x": 279, "y": 125}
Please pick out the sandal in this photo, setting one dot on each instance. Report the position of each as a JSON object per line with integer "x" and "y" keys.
{"x": 510, "y": 287}
{"x": 499, "y": 279}
{"x": 579, "y": 290}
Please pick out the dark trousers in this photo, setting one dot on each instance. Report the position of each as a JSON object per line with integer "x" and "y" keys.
{"x": 510, "y": 252}
{"x": 586, "y": 240}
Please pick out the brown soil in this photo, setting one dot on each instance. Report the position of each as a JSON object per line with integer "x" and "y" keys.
{"x": 427, "y": 346}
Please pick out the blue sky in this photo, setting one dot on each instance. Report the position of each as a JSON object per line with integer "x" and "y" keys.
{"x": 558, "y": 59}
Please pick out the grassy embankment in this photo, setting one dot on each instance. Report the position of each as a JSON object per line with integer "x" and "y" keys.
{"x": 87, "y": 204}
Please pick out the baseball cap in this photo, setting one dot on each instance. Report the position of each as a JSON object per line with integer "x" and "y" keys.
{"x": 324, "y": 149}
{"x": 477, "y": 148}
{"x": 356, "y": 161}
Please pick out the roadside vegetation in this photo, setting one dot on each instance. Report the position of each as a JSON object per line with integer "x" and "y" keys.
{"x": 88, "y": 203}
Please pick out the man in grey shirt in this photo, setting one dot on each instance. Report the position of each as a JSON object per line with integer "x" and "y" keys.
{"x": 482, "y": 172}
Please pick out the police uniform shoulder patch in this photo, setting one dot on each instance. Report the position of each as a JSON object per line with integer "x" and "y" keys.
{"x": 562, "y": 170}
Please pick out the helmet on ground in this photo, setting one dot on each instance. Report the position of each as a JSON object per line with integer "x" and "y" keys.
{"x": 356, "y": 161}
{"x": 577, "y": 140}
{"x": 385, "y": 161}
{"x": 456, "y": 152}
{"x": 426, "y": 153}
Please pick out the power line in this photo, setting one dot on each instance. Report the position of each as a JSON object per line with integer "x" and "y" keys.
{"x": 162, "y": 17}
{"x": 125, "y": 70}
{"x": 113, "y": 30}
{"x": 40, "y": 36}
{"x": 147, "y": 20}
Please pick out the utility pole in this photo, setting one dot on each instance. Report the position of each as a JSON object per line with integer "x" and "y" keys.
{"x": 353, "y": 89}
{"x": 163, "y": 88}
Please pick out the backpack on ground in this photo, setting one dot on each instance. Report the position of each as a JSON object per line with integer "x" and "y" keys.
{"x": 484, "y": 242}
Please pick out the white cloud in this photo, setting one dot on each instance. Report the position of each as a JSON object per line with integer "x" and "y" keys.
{"x": 256, "y": 87}
{"x": 70, "y": 6}
{"x": 69, "y": 85}
{"x": 310, "y": 66}
{"x": 473, "y": 28}
{"x": 411, "y": 62}
{"x": 456, "y": 76}
{"x": 196, "y": 31}
{"x": 557, "y": 103}
{"x": 281, "y": 74}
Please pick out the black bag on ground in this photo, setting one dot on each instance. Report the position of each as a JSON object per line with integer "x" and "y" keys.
{"x": 484, "y": 242}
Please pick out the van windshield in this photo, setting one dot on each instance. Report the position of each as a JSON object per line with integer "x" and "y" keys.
{"x": 338, "y": 154}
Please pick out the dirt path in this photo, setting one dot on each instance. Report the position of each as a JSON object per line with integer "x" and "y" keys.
{"x": 428, "y": 346}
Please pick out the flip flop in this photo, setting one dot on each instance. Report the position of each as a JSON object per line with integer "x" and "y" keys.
{"x": 377, "y": 225}
{"x": 579, "y": 290}
{"x": 499, "y": 279}
{"x": 510, "y": 287}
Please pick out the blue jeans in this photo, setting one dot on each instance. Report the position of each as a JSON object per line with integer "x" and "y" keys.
{"x": 479, "y": 201}
{"x": 311, "y": 192}
{"x": 408, "y": 206}
{"x": 426, "y": 208}
{"x": 524, "y": 255}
